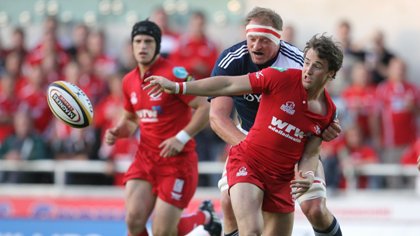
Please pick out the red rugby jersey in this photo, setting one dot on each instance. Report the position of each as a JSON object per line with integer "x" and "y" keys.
{"x": 283, "y": 121}
{"x": 159, "y": 117}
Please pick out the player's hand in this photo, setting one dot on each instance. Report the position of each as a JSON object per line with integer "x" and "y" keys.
{"x": 332, "y": 131}
{"x": 301, "y": 183}
{"x": 111, "y": 136}
{"x": 171, "y": 147}
{"x": 159, "y": 84}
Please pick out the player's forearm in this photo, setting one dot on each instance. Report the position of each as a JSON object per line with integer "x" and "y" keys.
{"x": 219, "y": 86}
{"x": 198, "y": 121}
{"x": 310, "y": 157}
{"x": 226, "y": 129}
{"x": 127, "y": 125}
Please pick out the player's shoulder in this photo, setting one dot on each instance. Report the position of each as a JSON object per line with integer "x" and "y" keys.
{"x": 291, "y": 52}
{"x": 234, "y": 54}
{"x": 131, "y": 74}
{"x": 173, "y": 71}
{"x": 277, "y": 69}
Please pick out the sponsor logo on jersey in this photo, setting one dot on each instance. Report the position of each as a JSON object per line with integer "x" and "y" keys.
{"x": 133, "y": 98}
{"x": 147, "y": 115}
{"x": 155, "y": 98}
{"x": 242, "y": 171}
{"x": 177, "y": 189}
{"x": 286, "y": 130}
{"x": 252, "y": 97}
{"x": 288, "y": 107}
{"x": 180, "y": 72}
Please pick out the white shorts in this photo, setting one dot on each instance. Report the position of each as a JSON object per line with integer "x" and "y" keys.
{"x": 223, "y": 183}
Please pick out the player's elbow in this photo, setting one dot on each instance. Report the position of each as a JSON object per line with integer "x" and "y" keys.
{"x": 215, "y": 121}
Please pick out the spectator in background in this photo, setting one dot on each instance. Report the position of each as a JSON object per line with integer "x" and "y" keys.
{"x": 354, "y": 153}
{"x": 395, "y": 116}
{"x": 13, "y": 69}
{"x": 23, "y": 144}
{"x": 82, "y": 74}
{"x": 378, "y": 57}
{"x": 195, "y": 51}
{"x": 18, "y": 43}
{"x": 359, "y": 100}
{"x": 32, "y": 98}
{"x": 126, "y": 60}
{"x": 8, "y": 106}
{"x": 49, "y": 44}
{"x": 288, "y": 34}
{"x": 104, "y": 65}
{"x": 352, "y": 53}
{"x": 80, "y": 33}
{"x": 169, "y": 36}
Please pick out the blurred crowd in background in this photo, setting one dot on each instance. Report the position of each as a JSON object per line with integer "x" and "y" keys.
{"x": 378, "y": 106}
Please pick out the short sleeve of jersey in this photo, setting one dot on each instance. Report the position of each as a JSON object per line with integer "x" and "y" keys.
{"x": 271, "y": 79}
{"x": 127, "y": 103}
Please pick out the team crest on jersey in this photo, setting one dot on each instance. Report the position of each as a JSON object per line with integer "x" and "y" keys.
{"x": 259, "y": 74}
{"x": 133, "y": 98}
{"x": 279, "y": 68}
{"x": 317, "y": 130}
{"x": 155, "y": 98}
{"x": 288, "y": 107}
{"x": 242, "y": 171}
{"x": 180, "y": 72}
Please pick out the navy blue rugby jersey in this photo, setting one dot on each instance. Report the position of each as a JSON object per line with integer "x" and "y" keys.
{"x": 237, "y": 61}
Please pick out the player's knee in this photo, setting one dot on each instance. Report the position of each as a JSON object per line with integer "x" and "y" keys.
{"x": 162, "y": 231}
{"x": 314, "y": 210}
{"x": 135, "y": 222}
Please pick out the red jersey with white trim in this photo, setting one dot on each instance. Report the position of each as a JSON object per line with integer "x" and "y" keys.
{"x": 283, "y": 123}
{"x": 397, "y": 103}
{"x": 160, "y": 117}
{"x": 360, "y": 102}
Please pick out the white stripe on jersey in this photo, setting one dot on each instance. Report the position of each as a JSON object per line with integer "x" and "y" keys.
{"x": 233, "y": 58}
{"x": 291, "y": 52}
{"x": 231, "y": 54}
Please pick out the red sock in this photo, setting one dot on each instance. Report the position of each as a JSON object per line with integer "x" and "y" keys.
{"x": 188, "y": 222}
{"x": 144, "y": 233}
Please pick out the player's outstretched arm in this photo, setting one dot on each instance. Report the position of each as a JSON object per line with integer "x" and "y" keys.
{"x": 216, "y": 86}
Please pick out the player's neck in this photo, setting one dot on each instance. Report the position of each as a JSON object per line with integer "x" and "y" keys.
{"x": 144, "y": 67}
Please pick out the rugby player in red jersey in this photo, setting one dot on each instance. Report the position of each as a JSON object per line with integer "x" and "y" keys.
{"x": 164, "y": 174}
{"x": 294, "y": 109}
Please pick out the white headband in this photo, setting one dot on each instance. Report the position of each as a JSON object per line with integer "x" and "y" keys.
{"x": 265, "y": 31}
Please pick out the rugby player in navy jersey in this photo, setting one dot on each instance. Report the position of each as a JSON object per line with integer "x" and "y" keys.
{"x": 263, "y": 48}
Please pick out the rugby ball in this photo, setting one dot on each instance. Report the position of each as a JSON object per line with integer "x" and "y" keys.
{"x": 70, "y": 104}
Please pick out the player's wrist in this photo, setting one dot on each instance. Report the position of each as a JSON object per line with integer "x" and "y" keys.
{"x": 183, "y": 136}
{"x": 180, "y": 88}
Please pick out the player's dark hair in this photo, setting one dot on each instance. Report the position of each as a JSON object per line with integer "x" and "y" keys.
{"x": 326, "y": 49}
{"x": 267, "y": 16}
